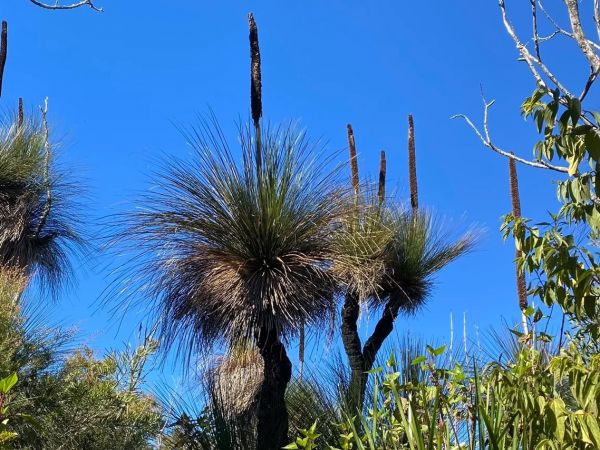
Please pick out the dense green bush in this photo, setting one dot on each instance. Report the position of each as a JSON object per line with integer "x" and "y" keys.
{"x": 66, "y": 397}
{"x": 532, "y": 402}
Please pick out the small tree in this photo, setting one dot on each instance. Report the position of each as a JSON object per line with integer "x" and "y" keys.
{"x": 38, "y": 226}
{"x": 387, "y": 257}
{"x": 560, "y": 256}
{"x": 241, "y": 254}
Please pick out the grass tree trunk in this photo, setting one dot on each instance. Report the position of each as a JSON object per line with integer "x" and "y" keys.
{"x": 362, "y": 359}
{"x": 272, "y": 415}
{"x": 383, "y": 329}
{"x": 352, "y": 346}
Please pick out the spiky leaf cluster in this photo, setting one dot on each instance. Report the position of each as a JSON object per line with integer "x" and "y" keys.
{"x": 37, "y": 228}
{"x": 384, "y": 251}
{"x": 227, "y": 250}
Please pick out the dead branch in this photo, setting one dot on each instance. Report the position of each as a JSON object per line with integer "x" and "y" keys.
{"x": 48, "y": 204}
{"x": 58, "y": 6}
{"x": 532, "y": 62}
{"x": 485, "y": 138}
{"x": 597, "y": 16}
{"x": 560, "y": 30}
{"x": 579, "y": 35}
{"x": 536, "y": 36}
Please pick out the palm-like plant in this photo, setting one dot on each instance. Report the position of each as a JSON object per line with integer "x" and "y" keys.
{"x": 388, "y": 257}
{"x": 37, "y": 225}
{"x": 241, "y": 252}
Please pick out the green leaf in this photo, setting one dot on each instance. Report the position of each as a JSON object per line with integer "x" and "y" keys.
{"x": 7, "y": 383}
{"x": 592, "y": 144}
{"x": 418, "y": 360}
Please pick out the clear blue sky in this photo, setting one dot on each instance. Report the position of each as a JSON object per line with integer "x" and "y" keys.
{"x": 117, "y": 81}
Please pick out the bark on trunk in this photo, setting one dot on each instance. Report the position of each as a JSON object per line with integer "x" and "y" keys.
{"x": 382, "y": 330}
{"x": 361, "y": 359}
{"x": 352, "y": 346}
{"x": 272, "y": 415}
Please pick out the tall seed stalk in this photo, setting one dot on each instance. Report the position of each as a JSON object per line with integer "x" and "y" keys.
{"x": 516, "y": 211}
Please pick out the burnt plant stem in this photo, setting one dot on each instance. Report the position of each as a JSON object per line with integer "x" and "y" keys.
{"x": 412, "y": 164}
{"x": 516, "y": 211}
{"x": 272, "y": 415}
{"x": 382, "y": 173}
{"x": 21, "y": 114}
{"x": 255, "y": 88}
{"x": 3, "y": 51}
{"x": 353, "y": 161}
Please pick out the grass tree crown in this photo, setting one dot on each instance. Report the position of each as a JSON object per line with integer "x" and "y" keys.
{"x": 385, "y": 252}
{"x": 38, "y": 224}
{"x": 236, "y": 250}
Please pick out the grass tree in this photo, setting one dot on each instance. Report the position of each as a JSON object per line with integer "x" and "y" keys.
{"x": 388, "y": 257}
{"x": 37, "y": 226}
{"x": 240, "y": 252}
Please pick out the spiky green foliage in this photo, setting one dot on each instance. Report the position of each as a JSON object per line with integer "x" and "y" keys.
{"x": 385, "y": 252}
{"x": 227, "y": 251}
{"x": 37, "y": 220}
{"x": 418, "y": 250}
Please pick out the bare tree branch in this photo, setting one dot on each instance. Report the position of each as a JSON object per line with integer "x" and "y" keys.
{"x": 536, "y": 36}
{"x": 58, "y": 6}
{"x": 485, "y": 138}
{"x": 532, "y": 62}
{"x": 588, "y": 84}
{"x": 48, "y": 204}
{"x": 579, "y": 35}
{"x": 560, "y": 30}
{"x": 597, "y": 16}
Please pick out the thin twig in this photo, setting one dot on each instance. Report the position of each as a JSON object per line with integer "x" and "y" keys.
{"x": 536, "y": 36}
{"x": 48, "y": 204}
{"x": 485, "y": 138}
{"x": 588, "y": 84}
{"x": 532, "y": 62}
{"x": 58, "y": 6}
{"x": 597, "y": 16}
{"x": 558, "y": 29}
